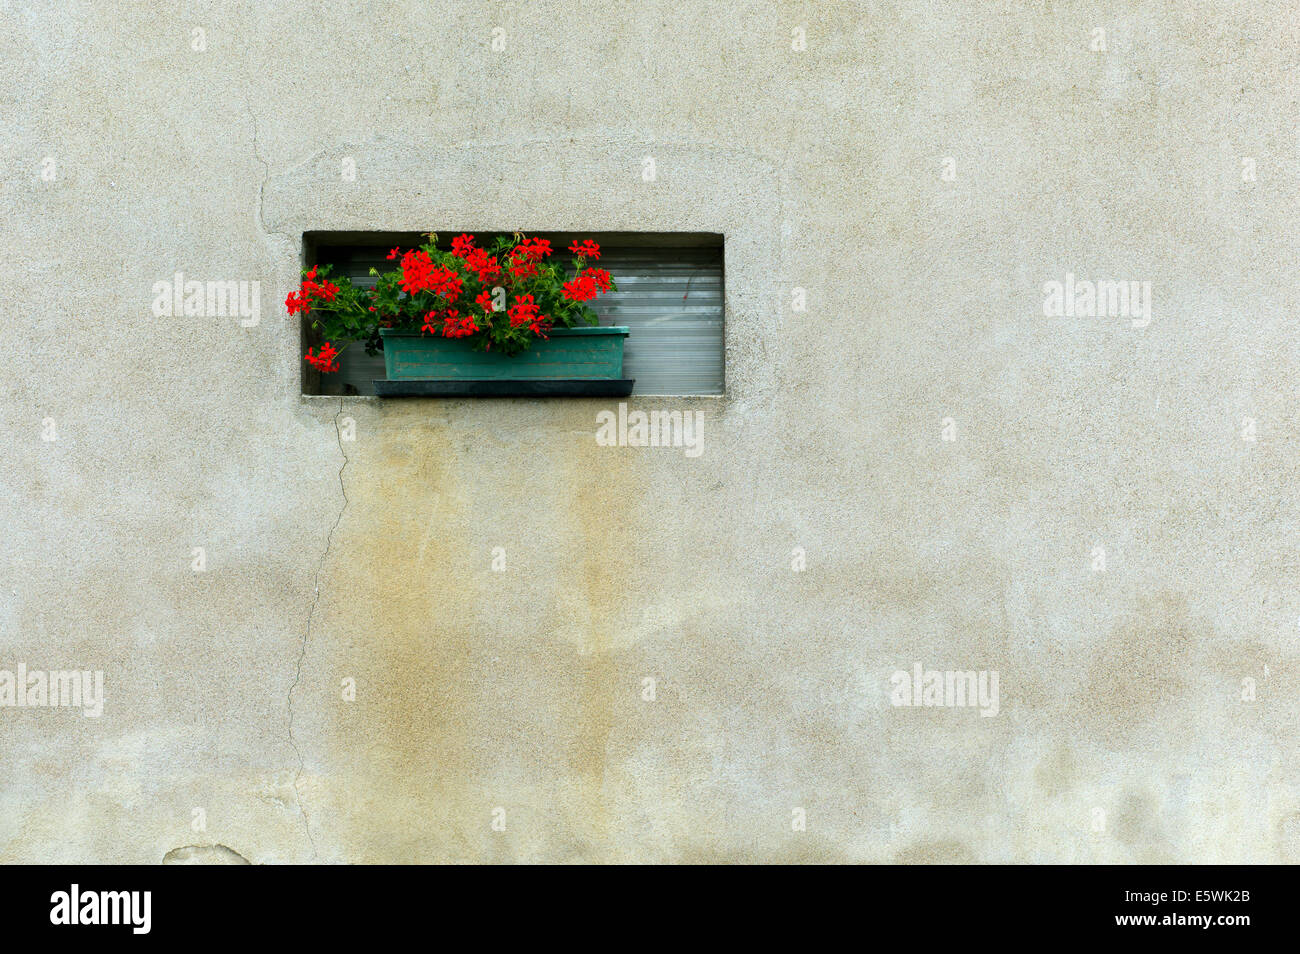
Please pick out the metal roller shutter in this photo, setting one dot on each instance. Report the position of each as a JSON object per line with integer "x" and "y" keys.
{"x": 671, "y": 299}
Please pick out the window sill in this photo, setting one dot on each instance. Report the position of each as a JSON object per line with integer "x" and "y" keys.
{"x": 497, "y": 387}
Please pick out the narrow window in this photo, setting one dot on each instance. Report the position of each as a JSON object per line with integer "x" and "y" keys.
{"x": 670, "y": 296}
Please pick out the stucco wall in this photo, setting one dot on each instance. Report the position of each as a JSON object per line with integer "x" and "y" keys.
{"x": 1122, "y": 733}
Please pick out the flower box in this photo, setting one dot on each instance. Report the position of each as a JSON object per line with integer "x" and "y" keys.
{"x": 575, "y": 361}
{"x": 471, "y": 320}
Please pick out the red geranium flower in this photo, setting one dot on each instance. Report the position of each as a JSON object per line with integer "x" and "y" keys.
{"x": 522, "y": 311}
{"x": 581, "y": 288}
{"x": 534, "y": 248}
{"x": 420, "y": 274}
{"x": 484, "y": 265}
{"x": 522, "y": 264}
{"x": 416, "y": 266}
{"x": 457, "y": 327}
{"x": 588, "y": 249}
{"x": 310, "y": 291}
{"x": 325, "y": 360}
{"x": 587, "y": 285}
{"x": 446, "y": 282}
{"x": 526, "y": 255}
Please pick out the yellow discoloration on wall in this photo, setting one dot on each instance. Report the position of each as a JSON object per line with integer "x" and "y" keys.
{"x": 455, "y": 708}
{"x": 1143, "y": 671}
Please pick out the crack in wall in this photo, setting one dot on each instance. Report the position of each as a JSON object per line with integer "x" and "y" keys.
{"x": 261, "y": 188}
{"x": 329, "y": 540}
{"x": 302, "y": 655}
{"x": 266, "y": 166}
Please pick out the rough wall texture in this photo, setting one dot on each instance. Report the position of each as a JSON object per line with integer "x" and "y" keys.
{"x": 1147, "y": 710}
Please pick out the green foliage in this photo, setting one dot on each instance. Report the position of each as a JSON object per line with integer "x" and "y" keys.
{"x": 501, "y": 298}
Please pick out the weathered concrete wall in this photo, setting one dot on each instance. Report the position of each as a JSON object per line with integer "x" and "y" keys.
{"x": 1122, "y": 735}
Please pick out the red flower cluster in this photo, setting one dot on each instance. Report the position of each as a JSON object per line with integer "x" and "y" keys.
{"x": 325, "y": 360}
{"x": 483, "y": 265}
{"x": 420, "y": 274}
{"x": 535, "y": 247}
{"x": 458, "y": 327}
{"x": 587, "y": 285}
{"x": 521, "y": 266}
{"x": 453, "y": 324}
{"x": 522, "y": 311}
{"x": 526, "y": 255}
{"x": 311, "y": 290}
{"x": 446, "y": 282}
{"x": 416, "y": 266}
{"x": 425, "y": 286}
{"x": 525, "y": 312}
